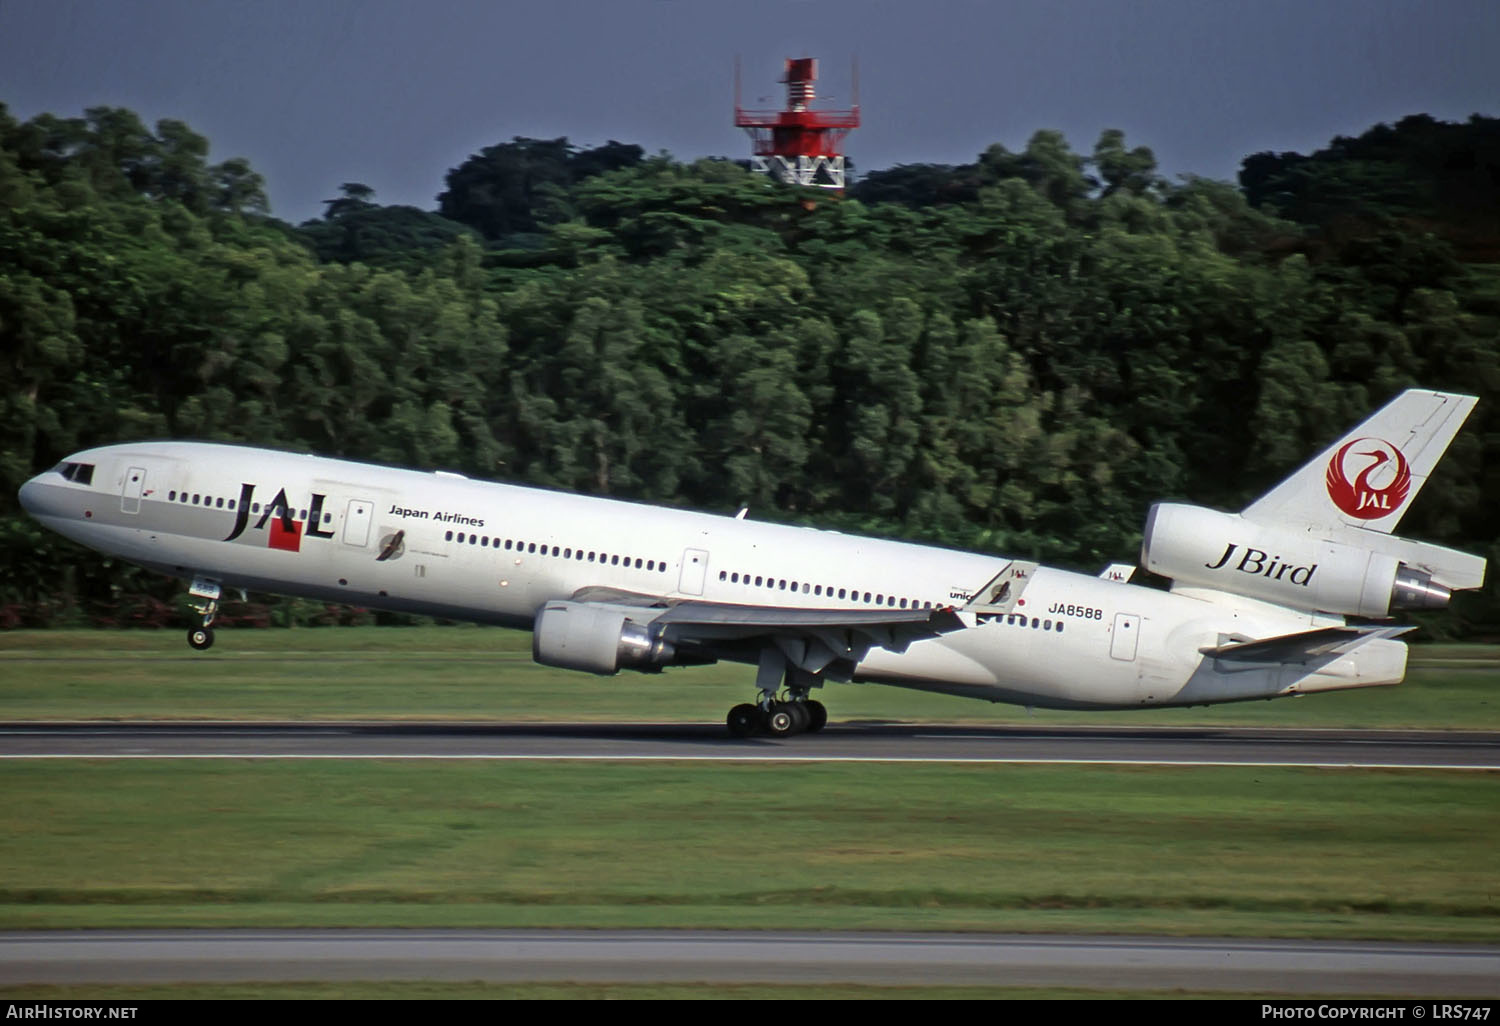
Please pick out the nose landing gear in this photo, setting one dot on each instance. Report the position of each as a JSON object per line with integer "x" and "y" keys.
{"x": 205, "y": 596}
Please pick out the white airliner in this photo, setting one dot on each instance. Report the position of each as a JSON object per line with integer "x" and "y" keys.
{"x": 1260, "y": 603}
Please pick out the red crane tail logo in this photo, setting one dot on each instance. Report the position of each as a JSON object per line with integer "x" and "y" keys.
{"x": 1378, "y": 488}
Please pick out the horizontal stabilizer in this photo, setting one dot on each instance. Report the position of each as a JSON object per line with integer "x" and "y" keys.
{"x": 1302, "y": 647}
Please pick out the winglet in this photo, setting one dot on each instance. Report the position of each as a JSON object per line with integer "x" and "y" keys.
{"x": 1004, "y": 590}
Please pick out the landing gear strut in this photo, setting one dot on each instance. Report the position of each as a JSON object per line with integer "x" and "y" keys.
{"x": 779, "y": 717}
{"x": 205, "y": 596}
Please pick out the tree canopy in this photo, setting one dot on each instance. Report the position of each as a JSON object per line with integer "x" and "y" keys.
{"x": 1015, "y": 355}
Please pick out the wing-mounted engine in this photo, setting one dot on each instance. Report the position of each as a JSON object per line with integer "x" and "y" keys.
{"x": 596, "y": 639}
{"x": 1325, "y": 569}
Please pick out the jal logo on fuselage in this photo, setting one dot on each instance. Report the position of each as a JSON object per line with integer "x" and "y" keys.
{"x": 286, "y": 531}
{"x": 1378, "y": 488}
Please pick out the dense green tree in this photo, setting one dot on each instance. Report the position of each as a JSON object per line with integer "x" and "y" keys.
{"x": 1017, "y": 354}
{"x": 1132, "y": 171}
{"x": 522, "y": 185}
{"x": 920, "y": 185}
{"x": 355, "y": 228}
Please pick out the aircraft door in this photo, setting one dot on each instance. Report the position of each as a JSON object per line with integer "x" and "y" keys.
{"x": 130, "y": 495}
{"x": 694, "y": 567}
{"x": 357, "y": 521}
{"x": 1125, "y": 636}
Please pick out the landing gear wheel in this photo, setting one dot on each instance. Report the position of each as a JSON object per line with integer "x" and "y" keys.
{"x": 743, "y": 720}
{"x": 801, "y": 718}
{"x": 817, "y": 715}
{"x": 781, "y": 721}
{"x": 201, "y": 637}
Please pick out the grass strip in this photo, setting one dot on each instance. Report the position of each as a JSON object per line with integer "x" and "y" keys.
{"x": 457, "y": 673}
{"x": 1237, "y": 851}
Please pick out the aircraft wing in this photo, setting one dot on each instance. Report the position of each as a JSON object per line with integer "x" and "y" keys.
{"x": 1302, "y": 647}
{"x": 892, "y": 628}
{"x": 815, "y": 640}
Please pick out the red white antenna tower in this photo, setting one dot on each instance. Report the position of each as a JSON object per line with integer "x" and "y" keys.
{"x": 799, "y": 145}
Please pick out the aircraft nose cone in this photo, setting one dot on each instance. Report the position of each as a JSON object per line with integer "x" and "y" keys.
{"x": 42, "y": 498}
{"x": 29, "y": 496}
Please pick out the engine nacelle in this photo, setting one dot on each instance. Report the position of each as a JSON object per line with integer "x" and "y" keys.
{"x": 596, "y": 639}
{"x": 1205, "y": 548}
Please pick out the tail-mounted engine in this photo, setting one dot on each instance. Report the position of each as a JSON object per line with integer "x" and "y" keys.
{"x": 596, "y": 639}
{"x": 1303, "y": 569}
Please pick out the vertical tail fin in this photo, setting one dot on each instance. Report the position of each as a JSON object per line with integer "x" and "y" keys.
{"x": 1368, "y": 478}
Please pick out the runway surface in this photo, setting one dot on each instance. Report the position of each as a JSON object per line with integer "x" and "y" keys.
{"x": 1255, "y": 966}
{"x": 1277, "y": 967}
{"x": 882, "y": 742}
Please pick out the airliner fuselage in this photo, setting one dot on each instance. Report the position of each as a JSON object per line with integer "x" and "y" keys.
{"x": 443, "y": 545}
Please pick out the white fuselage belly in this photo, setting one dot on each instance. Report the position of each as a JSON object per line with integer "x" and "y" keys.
{"x": 1068, "y": 645}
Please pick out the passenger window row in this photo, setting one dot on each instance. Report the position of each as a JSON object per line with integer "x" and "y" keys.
{"x": 1019, "y": 620}
{"x": 198, "y": 499}
{"x": 827, "y": 591}
{"x": 512, "y": 545}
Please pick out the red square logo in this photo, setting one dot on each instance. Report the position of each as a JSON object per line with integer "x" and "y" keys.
{"x": 284, "y": 537}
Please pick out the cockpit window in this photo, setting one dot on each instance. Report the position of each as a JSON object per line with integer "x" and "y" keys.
{"x": 79, "y": 473}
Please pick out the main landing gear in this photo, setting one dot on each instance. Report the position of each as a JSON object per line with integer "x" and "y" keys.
{"x": 778, "y": 719}
{"x": 205, "y": 596}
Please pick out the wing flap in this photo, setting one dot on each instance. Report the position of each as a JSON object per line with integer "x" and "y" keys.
{"x": 888, "y": 628}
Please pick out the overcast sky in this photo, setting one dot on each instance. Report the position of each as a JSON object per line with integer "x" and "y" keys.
{"x": 393, "y": 93}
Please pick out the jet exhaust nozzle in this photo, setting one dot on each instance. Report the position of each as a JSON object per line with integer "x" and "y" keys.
{"x": 1415, "y": 589}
